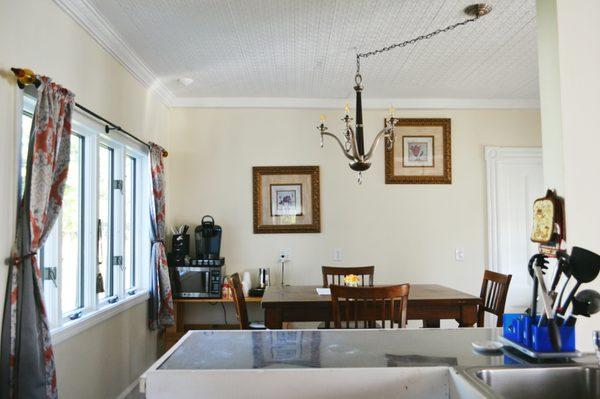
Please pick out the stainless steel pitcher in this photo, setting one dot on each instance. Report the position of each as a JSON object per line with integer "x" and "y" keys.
{"x": 264, "y": 277}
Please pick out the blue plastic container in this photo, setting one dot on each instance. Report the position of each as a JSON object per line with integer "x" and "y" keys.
{"x": 512, "y": 326}
{"x": 540, "y": 338}
{"x": 523, "y": 329}
{"x": 526, "y": 328}
{"x": 520, "y": 329}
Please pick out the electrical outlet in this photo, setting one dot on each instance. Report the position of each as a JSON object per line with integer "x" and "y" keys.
{"x": 284, "y": 254}
{"x": 337, "y": 254}
{"x": 459, "y": 255}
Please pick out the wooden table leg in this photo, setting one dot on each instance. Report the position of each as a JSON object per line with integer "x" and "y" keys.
{"x": 431, "y": 323}
{"x": 180, "y": 318}
{"x": 468, "y": 316}
{"x": 274, "y": 318}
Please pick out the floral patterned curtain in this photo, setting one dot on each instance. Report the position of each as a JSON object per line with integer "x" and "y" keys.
{"x": 26, "y": 361}
{"x": 161, "y": 297}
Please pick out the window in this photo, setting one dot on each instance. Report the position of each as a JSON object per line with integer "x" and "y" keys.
{"x": 94, "y": 256}
{"x": 130, "y": 243}
{"x": 104, "y": 283}
{"x": 71, "y": 229}
{"x": 26, "y": 120}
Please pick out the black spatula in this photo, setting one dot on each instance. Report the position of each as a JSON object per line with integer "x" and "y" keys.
{"x": 585, "y": 266}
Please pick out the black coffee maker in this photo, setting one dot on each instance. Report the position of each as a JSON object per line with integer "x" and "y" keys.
{"x": 208, "y": 239}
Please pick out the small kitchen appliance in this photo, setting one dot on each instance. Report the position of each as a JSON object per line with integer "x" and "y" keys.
{"x": 208, "y": 239}
{"x": 264, "y": 277}
{"x": 197, "y": 281}
{"x": 264, "y": 280}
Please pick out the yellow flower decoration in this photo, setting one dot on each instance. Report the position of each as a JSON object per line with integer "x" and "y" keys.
{"x": 351, "y": 279}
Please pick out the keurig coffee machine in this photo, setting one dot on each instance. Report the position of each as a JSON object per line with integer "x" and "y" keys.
{"x": 208, "y": 239}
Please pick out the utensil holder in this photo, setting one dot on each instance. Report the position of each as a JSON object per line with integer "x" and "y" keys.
{"x": 540, "y": 339}
{"x": 180, "y": 244}
{"x": 523, "y": 330}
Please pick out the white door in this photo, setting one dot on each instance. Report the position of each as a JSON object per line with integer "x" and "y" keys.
{"x": 514, "y": 181}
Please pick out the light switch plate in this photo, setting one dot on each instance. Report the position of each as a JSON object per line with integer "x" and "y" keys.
{"x": 284, "y": 254}
{"x": 459, "y": 255}
{"x": 337, "y": 254}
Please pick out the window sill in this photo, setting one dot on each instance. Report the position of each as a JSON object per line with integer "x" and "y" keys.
{"x": 71, "y": 328}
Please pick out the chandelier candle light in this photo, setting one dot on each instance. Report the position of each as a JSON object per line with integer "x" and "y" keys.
{"x": 354, "y": 145}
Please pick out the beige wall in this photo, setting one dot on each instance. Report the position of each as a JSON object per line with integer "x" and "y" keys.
{"x": 104, "y": 360}
{"x": 409, "y": 232}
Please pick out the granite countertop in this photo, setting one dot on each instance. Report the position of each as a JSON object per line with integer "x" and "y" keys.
{"x": 279, "y": 349}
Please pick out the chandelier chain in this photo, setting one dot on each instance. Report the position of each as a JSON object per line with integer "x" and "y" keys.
{"x": 411, "y": 41}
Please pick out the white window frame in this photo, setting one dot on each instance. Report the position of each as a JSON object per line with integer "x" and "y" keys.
{"x": 51, "y": 254}
{"x": 94, "y": 311}
{"x": 142, "y": 235}
{"x": 117, "y": 238}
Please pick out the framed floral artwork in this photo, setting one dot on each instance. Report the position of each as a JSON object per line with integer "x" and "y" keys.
{"x": 286, "y": 199}
{"x": 421, "y": 153}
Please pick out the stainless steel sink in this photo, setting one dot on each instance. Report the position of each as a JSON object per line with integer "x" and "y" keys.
{"x": 581, "y": 382}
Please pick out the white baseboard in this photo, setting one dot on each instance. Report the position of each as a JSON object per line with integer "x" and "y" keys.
{"x": 130, "y": 388}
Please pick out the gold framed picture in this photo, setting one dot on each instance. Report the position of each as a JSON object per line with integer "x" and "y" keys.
{"x": 421, "y": 153}
{"x": 286, "y": 199}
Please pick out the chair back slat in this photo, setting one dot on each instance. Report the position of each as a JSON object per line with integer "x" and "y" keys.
{"x": 239, "y": 301}
{"x": 494, "y": 290}
{"x": 369, "y": 305}
{"x": 382, "y": 307}
{"x": 335, "y": 275}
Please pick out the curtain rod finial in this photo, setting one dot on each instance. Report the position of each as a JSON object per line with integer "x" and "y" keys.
{"x": 25, "y": 77}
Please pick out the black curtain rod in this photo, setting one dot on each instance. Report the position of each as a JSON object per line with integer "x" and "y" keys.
{"x": 26, "y": 76}
{"x": 109, "y": 125}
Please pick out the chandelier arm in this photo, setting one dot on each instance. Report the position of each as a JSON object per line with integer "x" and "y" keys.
{"x": 339, "y": 143}
{"x": 378, "y": 138}
{"x": 353, "y": 142}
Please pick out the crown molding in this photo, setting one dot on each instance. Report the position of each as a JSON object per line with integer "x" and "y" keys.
{"x": 368, "y": 103}
{"x": 98, "y": 27}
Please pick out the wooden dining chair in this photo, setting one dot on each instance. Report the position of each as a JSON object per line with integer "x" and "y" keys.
{"x": 240, "y": 304}
{"x": 494, "y": 289}
{"x": 369, "y": 307}
{"x": 337, "y": 274}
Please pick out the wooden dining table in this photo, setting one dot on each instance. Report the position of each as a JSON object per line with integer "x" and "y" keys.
{"x": 428, "y": 302}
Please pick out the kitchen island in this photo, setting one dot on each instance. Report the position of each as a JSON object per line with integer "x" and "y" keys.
{"x": 418, "y": 363}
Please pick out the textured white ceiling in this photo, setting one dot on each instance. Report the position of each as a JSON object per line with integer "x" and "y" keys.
{"x": 305, "y": 48}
